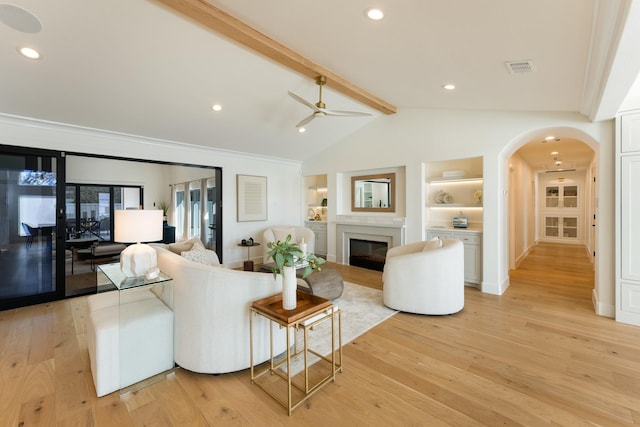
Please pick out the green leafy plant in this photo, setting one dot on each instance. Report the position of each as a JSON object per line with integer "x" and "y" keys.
{"x": 288, "y": 253}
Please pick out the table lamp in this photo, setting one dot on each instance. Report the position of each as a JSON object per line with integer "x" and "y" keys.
{"x": 136, "y": 226}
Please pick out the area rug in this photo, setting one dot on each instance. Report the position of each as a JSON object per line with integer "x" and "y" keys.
{"x": 361, "y": 309}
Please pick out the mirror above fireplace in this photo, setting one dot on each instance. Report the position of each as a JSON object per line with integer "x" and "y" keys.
{"x": 373, "y": 193}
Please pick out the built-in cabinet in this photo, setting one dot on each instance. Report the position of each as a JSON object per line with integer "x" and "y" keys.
{"x": 565, "y": 227}
{"x": 319, "y": 229}
{"x": 628, "y": 213}
{"x": 561, "y": 213}
{"x": 472, "y": 240}
{"x": 453, "y": 189}
{"x": 316, "y": 188}
{"x": 316, "y": 197}
{"x": 561, "y": 196}
{"x": 455, "y": 192}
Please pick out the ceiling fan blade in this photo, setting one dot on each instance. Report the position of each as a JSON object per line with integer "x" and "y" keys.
{"x": 345, "y": 113}
{"x": 306, "y": 120}
{"x": 302, "y": 101}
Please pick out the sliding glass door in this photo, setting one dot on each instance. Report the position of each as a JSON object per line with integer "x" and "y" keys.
{"x": 32, "y": 247}
{"x": 196, "y": 210}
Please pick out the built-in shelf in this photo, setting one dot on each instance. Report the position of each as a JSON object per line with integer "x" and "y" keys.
{"x": 453, "y": 205}
{"x": 455, "y": 179}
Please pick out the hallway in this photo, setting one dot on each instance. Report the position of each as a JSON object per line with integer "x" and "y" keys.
{"x": 562, "y": 272}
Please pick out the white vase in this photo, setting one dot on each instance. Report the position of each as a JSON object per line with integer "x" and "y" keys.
{"x": 289, "y": 288}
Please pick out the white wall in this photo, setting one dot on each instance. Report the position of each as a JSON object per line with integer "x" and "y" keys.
{"x": 94, "y": 170}
{"x": 284, "y": 189}
{"x": 522, "y": 218}
{"x": 413, "y": 137}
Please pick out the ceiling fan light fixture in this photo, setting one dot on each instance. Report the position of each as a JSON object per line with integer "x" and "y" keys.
{"x": 375, "y": 14}
{"x": 302, "y": 130}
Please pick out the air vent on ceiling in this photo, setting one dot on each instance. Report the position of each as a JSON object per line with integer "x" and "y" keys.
{"x": 560, "y": 170}
{"x": 520, "y": 67}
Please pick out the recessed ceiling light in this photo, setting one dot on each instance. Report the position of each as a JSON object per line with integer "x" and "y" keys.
{"x": 375, "y": 14}
{"x": 554, "y": 153}
{"x": 29, "y": 52}
{"x": 549, "y": 138}
{"x": 216, "y": 107}
{"x": 449, "y": 87}
{"x": 302, "y": 130}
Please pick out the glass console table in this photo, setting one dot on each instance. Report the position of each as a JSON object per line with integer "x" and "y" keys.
{"x": 143, "y": 333}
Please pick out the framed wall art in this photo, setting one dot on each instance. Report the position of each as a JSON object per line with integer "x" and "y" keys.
{"x": 252, "y": 198}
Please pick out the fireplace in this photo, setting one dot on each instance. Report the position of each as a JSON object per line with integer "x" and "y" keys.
{"x": 367, "y": 253}
{"x": 379, "y": 232}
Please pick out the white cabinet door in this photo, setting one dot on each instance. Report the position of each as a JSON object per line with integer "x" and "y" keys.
{"x": 630, "y": 133}
{"x": 556, "y": 227}
{"x": 320, "y": 233}
{"x": 472, "y": 251}
{"x": 630, "y": 218}
{"x": 472, "y": 264}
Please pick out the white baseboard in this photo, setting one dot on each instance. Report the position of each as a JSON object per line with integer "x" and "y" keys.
{"x": 494, "y": 289}
{"x": 602, "y": 309}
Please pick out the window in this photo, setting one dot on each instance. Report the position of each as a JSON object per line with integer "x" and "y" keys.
{"x": 90, "y": 208}
{"x": 196, "y": 211}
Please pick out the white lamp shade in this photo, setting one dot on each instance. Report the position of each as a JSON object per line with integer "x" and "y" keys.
{"x": 134, "y": 226}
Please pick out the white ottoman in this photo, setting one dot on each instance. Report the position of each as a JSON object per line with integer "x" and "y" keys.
{"x": 113, "y": 298}
{"x": 143, "y": 329}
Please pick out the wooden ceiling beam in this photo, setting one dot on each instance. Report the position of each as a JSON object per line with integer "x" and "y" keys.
{"x": 221, "y": 22}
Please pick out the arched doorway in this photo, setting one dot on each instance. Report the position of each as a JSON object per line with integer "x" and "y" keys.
{"x": 540, "y": 168}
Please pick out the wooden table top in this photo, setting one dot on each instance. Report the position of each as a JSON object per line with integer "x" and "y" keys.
{"x": 307, "y": 304}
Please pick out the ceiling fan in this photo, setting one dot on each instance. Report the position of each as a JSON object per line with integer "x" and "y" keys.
{"x": 319, "y": 108}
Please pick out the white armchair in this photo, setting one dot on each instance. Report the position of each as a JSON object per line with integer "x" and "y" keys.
{"x": 425, "y": 277}
{"x": 280, "y": 233}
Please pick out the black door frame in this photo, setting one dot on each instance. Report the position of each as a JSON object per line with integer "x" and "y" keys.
{"x": 59, "y": 291}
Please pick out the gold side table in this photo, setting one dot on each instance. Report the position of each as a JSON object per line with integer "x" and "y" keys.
{"x": 311, "y": 310}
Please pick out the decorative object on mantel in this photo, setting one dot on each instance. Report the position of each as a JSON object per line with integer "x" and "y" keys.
{"x": 286, "y": 256}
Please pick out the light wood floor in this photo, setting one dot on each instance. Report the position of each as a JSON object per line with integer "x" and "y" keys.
{"x": 537, "y": 355}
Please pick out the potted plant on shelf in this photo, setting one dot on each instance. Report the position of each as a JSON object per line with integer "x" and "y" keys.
{"x": 286, "y": 255}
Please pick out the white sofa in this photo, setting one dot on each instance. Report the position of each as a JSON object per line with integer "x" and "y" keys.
{"x": 211, "y": 314}
{"x": 280, "y": 233}
{"x": 425, "y": 277}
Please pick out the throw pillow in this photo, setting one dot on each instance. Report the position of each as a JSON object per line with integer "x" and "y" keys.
{"x": 432, "y": 244}
{"x": 280, "y": 234}
{"x": 196, "y": 254}
{"x": 178, "y": 248}
{"x": 195, "y": 241}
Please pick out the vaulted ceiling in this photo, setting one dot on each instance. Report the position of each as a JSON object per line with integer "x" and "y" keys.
{"x": 144, "y": 67}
